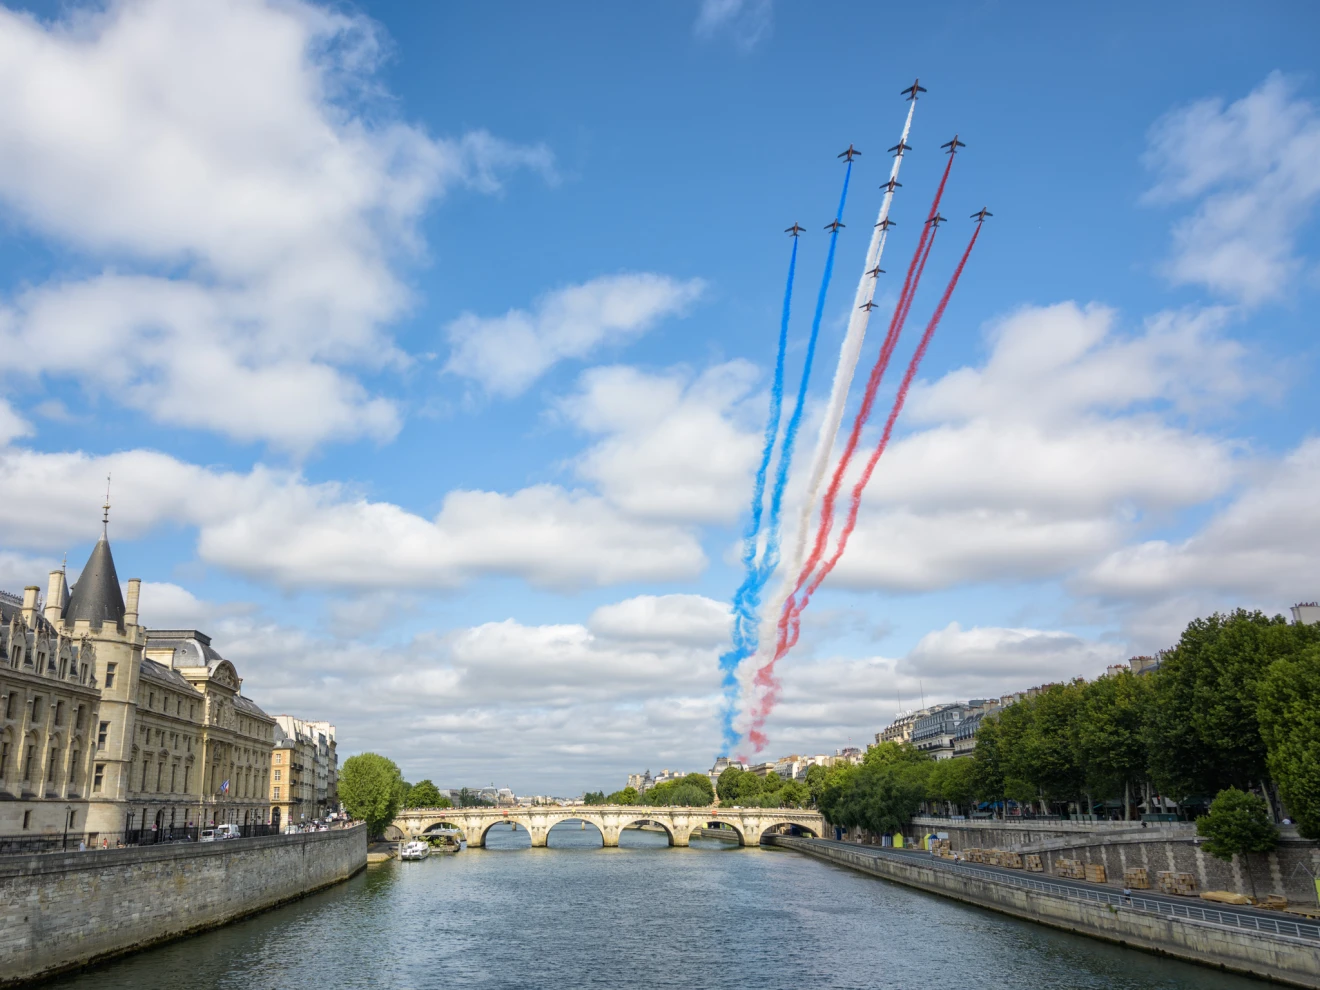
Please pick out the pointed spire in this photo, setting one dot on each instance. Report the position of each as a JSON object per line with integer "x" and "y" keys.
{"x": 97, "y": 596}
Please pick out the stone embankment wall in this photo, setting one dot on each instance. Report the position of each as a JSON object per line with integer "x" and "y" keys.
{"x": 1292, "y": 961}
{"x": 60, "y": 911}
{"x": 1286, "y": 871}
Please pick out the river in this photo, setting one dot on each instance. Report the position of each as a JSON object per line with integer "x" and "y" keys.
{"x": 644, "y": 915}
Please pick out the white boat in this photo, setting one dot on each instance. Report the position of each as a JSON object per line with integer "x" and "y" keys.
{"x": 414, "y": 850}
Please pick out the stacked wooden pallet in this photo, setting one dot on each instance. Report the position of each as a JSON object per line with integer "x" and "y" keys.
{"x": 1176, "y": 883}
{"x": 1095, "y": 873}
{"x": 1070, "y": 868}
{"x": 1135, "y": 877}
{"x": 1032, "y": 862}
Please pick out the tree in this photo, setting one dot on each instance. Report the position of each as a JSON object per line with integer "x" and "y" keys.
{"x": 1205, "y": 732}
{"x": 425, "y": 794}
{"x": 1109, "y": 736}
{"x": 951, "y": 781}
{"x": 593, "y": 797}
{"x": 988, "y": 760}
{"x": 1238, "y": 824}
{"x": 628, "y": 795}
{"x": 468, "y": 798}
{"x": 816, "y": 776}
{"x": 727, "y": 787}
{"x": 1289, "y": 714}
{"x": 369, "y": 787}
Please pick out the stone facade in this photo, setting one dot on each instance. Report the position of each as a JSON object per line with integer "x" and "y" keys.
{"x": 304, "y": 770}
{"x": 106, "y": 727}
{"x": 48, "y": 713}
{"x": 58, "y": 912}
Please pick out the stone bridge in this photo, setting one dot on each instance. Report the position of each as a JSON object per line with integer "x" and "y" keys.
{"x": 749, "y": 823}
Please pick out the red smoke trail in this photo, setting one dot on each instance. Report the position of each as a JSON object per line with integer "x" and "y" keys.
{"x": 790, "y": 621}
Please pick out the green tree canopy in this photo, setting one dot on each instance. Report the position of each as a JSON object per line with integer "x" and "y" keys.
{"x": 1289, "y": 714}
{"x": 628, "y": 795}
{"x": 727, "y": 787}
{"x": 1238, "y": 823}
{"x": 1109, "y": 735}
{"x": 593, "y": 797}
{"x": 880, "y": 795}
{"x": 425, "y": 794}
{"x": 369, "y": 787}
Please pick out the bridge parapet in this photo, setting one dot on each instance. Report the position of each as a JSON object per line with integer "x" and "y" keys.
{"x": 610, "y": 820}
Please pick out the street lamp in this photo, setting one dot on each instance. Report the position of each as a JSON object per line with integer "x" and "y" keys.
{"x": 68, "y": 813}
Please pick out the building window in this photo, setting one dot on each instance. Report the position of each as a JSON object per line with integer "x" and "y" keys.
{"x": 27, "y": 819}
{"x": 277, "y": 774}
{"x": 98, "y": 777}
{"x": 187, "y": 777}
{"x": 9, "y": 705}
{"x": 73, "y": 818}
{"x": 59, "y": 713}
{"x": 64, "y": 668}
{"x": 277, "y": 794}
{"x": 279, "y": 758}
{"x": 146, "y": 769}
{"x": 151, "y": 700}
{"x": 79, "y": 716}
{"x": 101, "y": 733}
{"x": 4, "y": 758}
{"x": 192, "y": 710}
{"x": 36, "y": 708}
{"x": 174, "y": 773}
{"x": 27, "y": 763}
{"x": 73, "y": 767}
{"x": 109, "y": 676}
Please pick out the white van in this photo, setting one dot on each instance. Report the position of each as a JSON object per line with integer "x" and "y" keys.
{"x": 219, "y": 832}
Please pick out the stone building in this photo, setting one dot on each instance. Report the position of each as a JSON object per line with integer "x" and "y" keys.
{"x": 48, "y": 712}
{"x": 109, "y": 728}
{"x": 304, "y": 770}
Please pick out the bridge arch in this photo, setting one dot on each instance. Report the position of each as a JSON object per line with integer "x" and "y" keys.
{"x": 626, "y": 821}
{"x": 784, "y": 826}
{"x": 710, "y": 822}
{"x": 437, "y": 826}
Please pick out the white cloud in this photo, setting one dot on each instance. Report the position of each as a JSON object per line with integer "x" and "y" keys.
{"x": 674, "y": 447}
{"x": 507, "y": 353}
{"x": 997, "y": 655}
{"x": 747, "y": 22}
{"x": 1264, "y": 546}
{"x": 1068, "y": 440}
{"x": 219, "y": 159}
{"x": 12, "y": 425}
{"x": 1252, "y": 167}
{"x": 277, "y": 527}
{"x": 683, "y": 619}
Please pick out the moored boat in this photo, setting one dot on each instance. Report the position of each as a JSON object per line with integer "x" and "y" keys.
{"x": 414, "y": 850}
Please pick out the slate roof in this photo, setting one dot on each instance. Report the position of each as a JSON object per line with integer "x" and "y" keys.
{"x": 96, "y": 597}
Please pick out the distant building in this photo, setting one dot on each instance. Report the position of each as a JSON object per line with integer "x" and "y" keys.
{"x": 849, "y": 754}
{"x": 900, "y": 730}
{"x": 761, "y": 769}
{"x": 1306, "y": 613}
{"x": 933, "y": 733}
{"x": 304, "y": 771}
{"x": 641, "y": 782}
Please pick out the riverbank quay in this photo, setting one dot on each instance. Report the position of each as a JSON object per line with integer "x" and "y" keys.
{"x": 1285, "y": 871}
{"x": 1251, "y": 943}
{"x": 63, "y": 911}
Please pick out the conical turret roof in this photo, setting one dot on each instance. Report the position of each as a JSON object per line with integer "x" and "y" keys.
{"x": 97, "y": 596}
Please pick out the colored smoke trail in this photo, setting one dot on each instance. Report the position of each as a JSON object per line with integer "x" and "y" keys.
{"x": 747, "y": 599}
{"x": 746, "y": 633}
{"x": 789, "y": 631}
{"x": 785, "y": 604}
{"x": 849, "y": 353}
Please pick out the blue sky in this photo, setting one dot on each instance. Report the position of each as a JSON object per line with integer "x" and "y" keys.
{"x": 428, "y": 346}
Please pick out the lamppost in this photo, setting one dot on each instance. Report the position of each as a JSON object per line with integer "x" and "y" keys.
{"x": 68, "y": 811}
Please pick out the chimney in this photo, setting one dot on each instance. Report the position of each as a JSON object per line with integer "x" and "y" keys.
{"x": 30, "y": 605}
{"x": 131, "y": 606}
{"x": 57, "y": 594}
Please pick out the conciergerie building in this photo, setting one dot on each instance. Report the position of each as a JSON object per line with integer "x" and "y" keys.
{"x": 106, "y": 726}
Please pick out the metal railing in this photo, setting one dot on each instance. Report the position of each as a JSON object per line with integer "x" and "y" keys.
{"x": 54, "y": 842}
{"x": 1192, "y": 912}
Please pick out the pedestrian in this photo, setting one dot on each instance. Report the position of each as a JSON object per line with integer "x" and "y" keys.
{"x": 82, "y": 845}
{"x": 1127, "y": 895}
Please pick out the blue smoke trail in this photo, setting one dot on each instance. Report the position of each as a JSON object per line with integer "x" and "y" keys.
{"x": 747, "y": 599}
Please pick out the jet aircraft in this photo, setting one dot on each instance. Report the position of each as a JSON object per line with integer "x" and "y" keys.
{"x": 794, "y": 230}
{"x": 850, "y": 154}
{"x": 891, "y": 185}
{"x": 980, "y": 215}
{"x": 835, "y": 226}
{"x": 953, "y": 145}
{"x": 901, "y": 147}
{"x": 936, "y": 220}
{"x": 868, "y": 306}
{"x": 876, "y": 272}
{"x": 886, "y": 223}
{"x": 912, "y": 91}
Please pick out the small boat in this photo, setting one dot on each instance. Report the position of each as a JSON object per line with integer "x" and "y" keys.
{"x": 414, "y": 850}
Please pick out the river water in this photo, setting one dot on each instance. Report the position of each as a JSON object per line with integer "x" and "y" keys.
{"x": 644, "y": 915}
